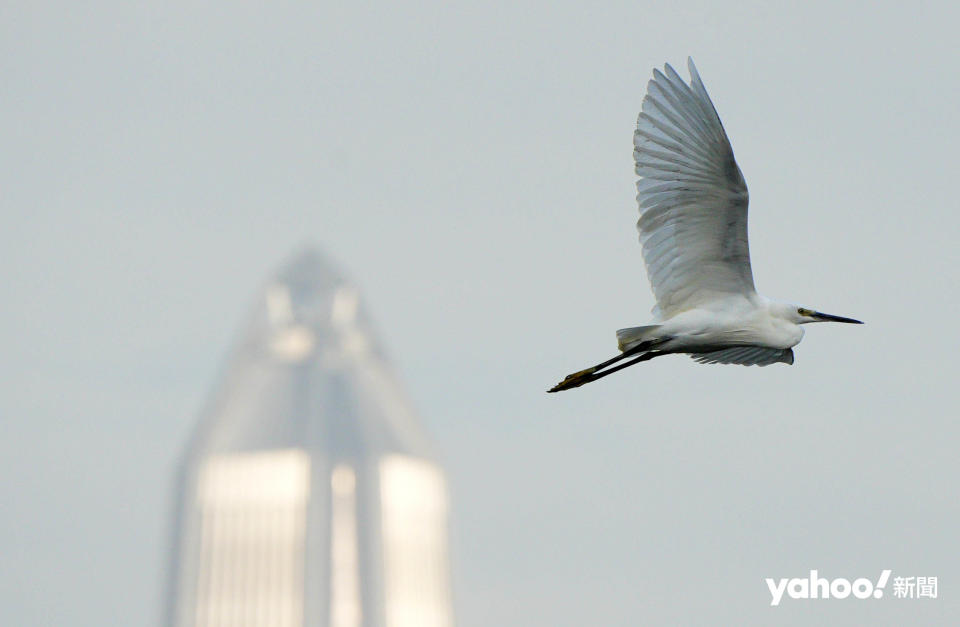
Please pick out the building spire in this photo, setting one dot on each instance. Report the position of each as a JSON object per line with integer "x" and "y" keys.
{"x": 309, "y": 494}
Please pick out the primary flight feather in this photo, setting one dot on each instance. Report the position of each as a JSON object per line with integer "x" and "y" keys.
{"x": 693, "y": 230}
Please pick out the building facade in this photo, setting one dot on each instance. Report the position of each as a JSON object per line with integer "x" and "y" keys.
{"x": 309, "y": 494}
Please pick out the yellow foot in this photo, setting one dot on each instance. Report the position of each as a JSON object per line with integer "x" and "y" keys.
{"x": 573, "y": 380}
{"x": 582, "y": 373}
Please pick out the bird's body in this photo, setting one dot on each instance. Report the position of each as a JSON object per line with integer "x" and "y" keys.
{"x": 693, "y": 229}
{"x": 729, "y": 322}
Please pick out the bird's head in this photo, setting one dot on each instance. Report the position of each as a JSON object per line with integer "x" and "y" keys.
{"x": 802, "y": 315}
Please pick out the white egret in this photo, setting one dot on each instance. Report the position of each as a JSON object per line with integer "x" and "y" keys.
{"x": 693, "y": 228}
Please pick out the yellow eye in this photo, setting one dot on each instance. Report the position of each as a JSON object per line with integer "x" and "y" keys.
{"x": 804, "y": 312}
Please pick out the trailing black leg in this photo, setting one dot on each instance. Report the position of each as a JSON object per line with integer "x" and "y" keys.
{"x": 597, "y": 372}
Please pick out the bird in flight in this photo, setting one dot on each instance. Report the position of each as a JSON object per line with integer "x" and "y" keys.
{"x": 693, "y": 229}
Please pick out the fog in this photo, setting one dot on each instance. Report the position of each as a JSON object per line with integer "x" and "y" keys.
{"x": 470, "y": 166}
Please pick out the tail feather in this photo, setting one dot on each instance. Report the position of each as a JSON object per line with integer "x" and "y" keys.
{"x": 632, "y": 336}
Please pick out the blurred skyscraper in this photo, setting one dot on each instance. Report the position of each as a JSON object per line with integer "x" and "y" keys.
{"x": 308, "y": 495}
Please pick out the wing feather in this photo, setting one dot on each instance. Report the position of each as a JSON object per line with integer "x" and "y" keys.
{"x": 746, "y": 356}
{"x": 692, "y": 197}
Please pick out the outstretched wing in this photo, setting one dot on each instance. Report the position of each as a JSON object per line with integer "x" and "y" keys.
{"x": 746, "y": 356}
{"x": 692, "y": 196}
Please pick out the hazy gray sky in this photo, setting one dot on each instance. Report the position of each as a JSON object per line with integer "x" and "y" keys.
{"x": 470, "y": 166}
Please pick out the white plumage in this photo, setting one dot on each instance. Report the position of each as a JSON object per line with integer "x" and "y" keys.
{"x": 693, "y": 231}
{"x": 692, "y": 197}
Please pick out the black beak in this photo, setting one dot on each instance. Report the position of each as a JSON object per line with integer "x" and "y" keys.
{"x": 822, "y": 317}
